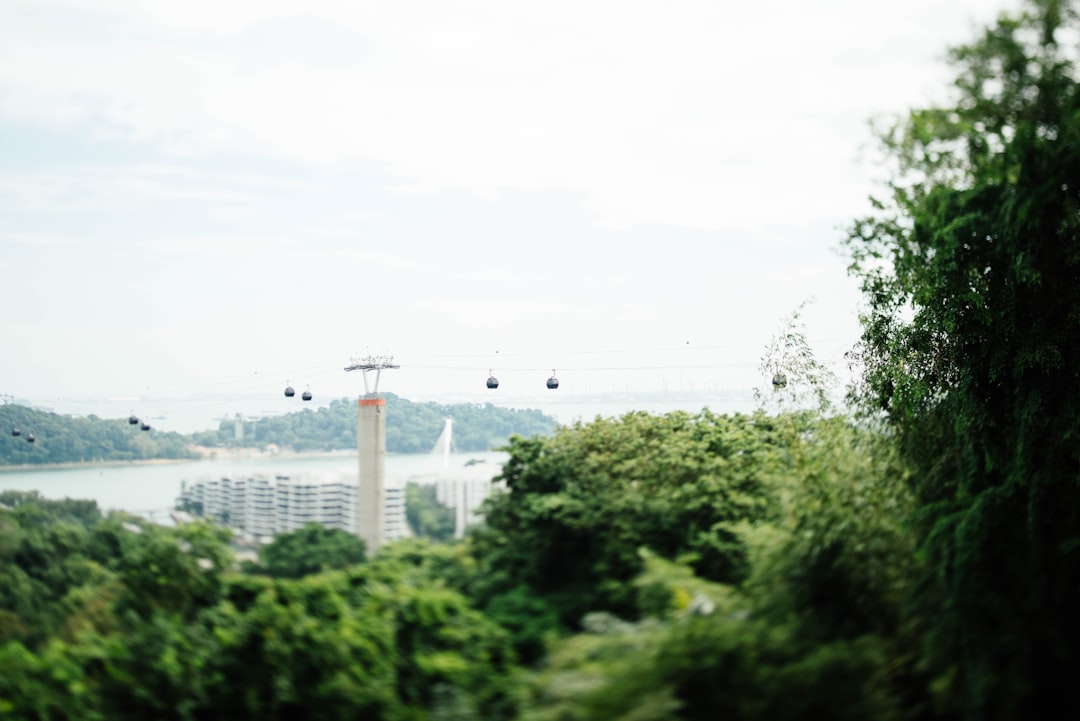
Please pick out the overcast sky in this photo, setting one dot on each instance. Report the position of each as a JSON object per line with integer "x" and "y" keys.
{"x": 201, "y": 201}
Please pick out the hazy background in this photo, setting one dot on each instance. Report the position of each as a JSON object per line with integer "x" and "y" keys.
{"x": 202, "y": 201}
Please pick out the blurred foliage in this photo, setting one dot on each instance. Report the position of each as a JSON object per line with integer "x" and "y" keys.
{"x": 811, "y": 625}
{"x": 579, "y": 505}
{"x": 795, "y": 379}
{"x": 311, "y": 549}
{"x": 970, "y": 266}
{"x": 428, "y": 517}
{"x": 676, "y": 566}
{"x": 114, "y": 618}
{"x": 711, "y": 661}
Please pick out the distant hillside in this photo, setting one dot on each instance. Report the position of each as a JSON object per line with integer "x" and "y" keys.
{"x": 410, "y": 427}
{"x": 67, "y": 439}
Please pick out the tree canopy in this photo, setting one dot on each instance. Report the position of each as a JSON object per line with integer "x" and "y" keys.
{"x": 427, "y": 517}
{"x": 580, "y": 504}
{"x": 311, "y": 549}
{"x": 971, "y": 272}
{"x": 115, "y": 618}
{"x": 651, "y": 567}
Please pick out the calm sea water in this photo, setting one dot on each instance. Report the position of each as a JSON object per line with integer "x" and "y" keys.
{"x": 151, "y": 488}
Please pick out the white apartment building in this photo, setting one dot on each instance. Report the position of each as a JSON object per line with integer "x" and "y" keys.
{"x": 262, "y": 506}
{"x": 395, "y": 525}
{"x": 465, "y": 491}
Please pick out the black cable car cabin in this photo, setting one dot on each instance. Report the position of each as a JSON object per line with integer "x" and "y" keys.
{"x": 133, "y": 420}
{"x": 779, "y": 380}
{"x": 552, "y": 382}
{"x": 289, "y": 392}
{"x": 306, "y": 395}
{"x": 145, "y": 426}
{"x": 492, "y": 381}
{"x": 16, "y": 432}
{"x": 30, "y": 438}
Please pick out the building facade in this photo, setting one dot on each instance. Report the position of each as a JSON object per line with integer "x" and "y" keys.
{"x": 262, "y": 506}
{"x": 465, "y": 491}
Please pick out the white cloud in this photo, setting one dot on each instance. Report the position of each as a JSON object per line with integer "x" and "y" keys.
{"x": 255, "y": 184}
{"x": 650, "y": 111}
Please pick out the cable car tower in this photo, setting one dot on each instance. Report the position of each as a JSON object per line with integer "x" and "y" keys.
{"x": 371, "y": 453}
{"x": 376, "y": 363}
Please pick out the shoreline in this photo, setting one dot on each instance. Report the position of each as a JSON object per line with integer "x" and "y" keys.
{"x": 205, "y": 454}
{"x": 24, "y": 467}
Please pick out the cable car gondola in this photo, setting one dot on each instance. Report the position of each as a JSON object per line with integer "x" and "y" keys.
{"x": 133, "y": 420}
{"x": 30, "y": 438}
{"x": 145, "y": 426}
{"x": 16, "y": 432}
{"x": 289, "y": 392}
{"x": 492, "y": 381}
{"x": 779, "y": 380}
{"x": 552, "y": 382}
{"x": 306, "y": 395}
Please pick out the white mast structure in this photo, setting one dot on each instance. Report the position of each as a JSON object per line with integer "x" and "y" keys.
{"x": 371, "y": 451}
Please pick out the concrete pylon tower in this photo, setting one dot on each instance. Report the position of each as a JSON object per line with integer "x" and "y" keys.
{"x": 371, "y": 451}
{"x": 371, "y": 487}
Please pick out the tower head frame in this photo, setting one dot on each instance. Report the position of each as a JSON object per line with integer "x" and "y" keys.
{"x": 371, "y": 363}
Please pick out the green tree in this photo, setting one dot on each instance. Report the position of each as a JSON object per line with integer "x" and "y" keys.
{"x": 795, "y": 378}
{"x": 311, "y": 549}
{"x": 704, "y": 652}
{"x": 177, "y": 571}
{"x": 121, "y": 619}
{"x": 971, "y": 271}
{"x": 449, "y": 657}
{"x": 83, "y": 512}
{"x": 580, "y": 504}
{"x": 427, "y": 517}
{"x": 315, "y": 647}
{"x": 43, "y": 560}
